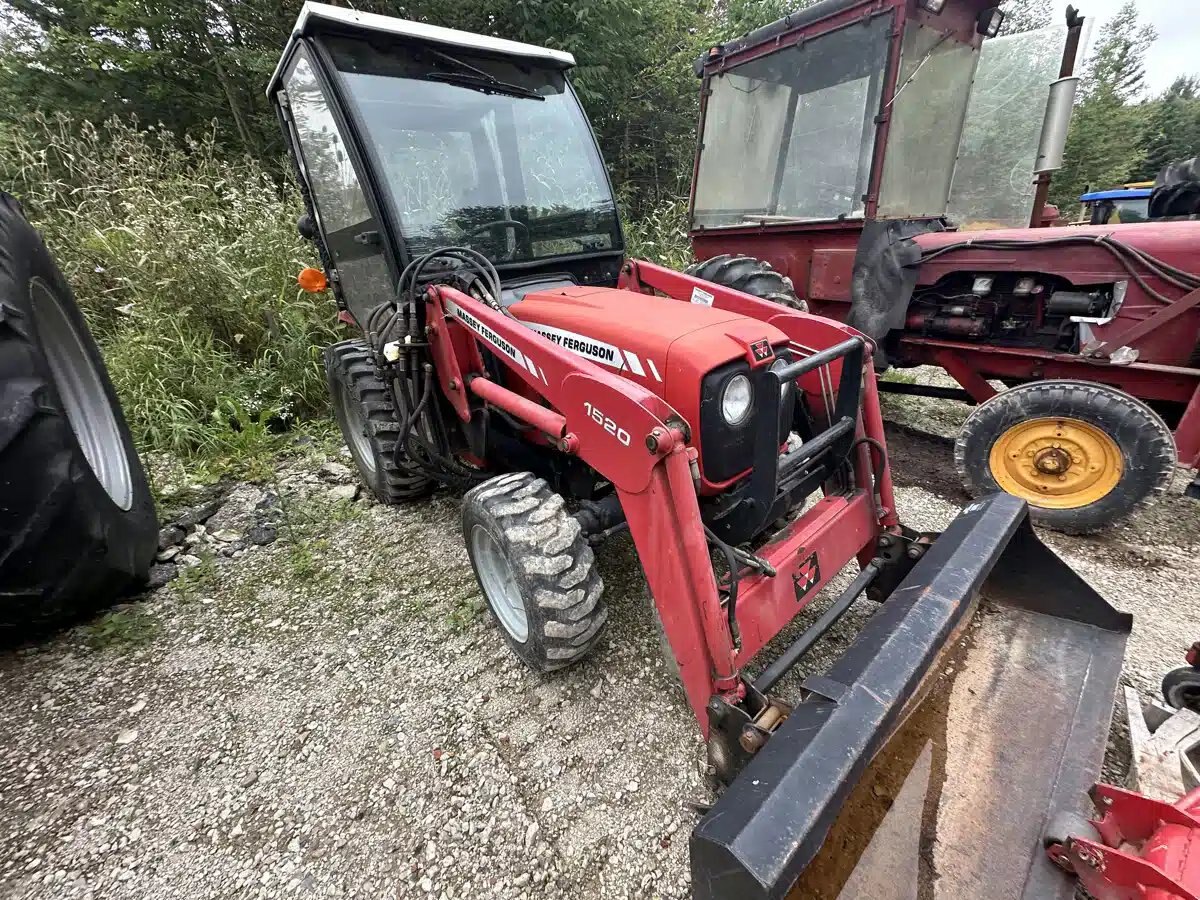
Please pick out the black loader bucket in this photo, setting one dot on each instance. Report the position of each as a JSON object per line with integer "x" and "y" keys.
{"x": 925, "y": 763}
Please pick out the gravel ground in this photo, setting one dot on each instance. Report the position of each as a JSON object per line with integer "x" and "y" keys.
{"x": 333, "y": 714}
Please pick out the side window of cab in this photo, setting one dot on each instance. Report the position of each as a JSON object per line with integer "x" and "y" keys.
{"x": 351, "y": 231}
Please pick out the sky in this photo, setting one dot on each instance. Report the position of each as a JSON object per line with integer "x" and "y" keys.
{"x": 1177, "y": 49}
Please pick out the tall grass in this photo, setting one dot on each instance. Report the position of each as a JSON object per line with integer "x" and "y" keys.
{"x": 184, "y": 264}
{"x": 660, "y": 234}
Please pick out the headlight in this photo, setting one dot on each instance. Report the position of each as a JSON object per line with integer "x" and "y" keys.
{"x": 736, "y": 400}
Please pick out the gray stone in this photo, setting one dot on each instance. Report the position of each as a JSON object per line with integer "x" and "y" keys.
{"x": 202, "y": 513}
{"x": 240, "y": 512}
{"x": 160, "y": 574}
{"x": 170, "y": 536}
{"x": 262, "y": 534}
{"x": 335, "y": 472}
{"x": 345, "y": 492}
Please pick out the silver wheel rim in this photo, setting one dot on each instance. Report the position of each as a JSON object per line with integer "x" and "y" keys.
{"x": 499, "y": 584}
{"x": 356, "y": 436}
{"x": 82, "y": 392}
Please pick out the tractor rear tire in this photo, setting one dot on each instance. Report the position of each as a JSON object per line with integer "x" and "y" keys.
{"x": 535, "y": 569}
{"x": 750, "y": 276}
{"x": 1083, "y": 455}
{"x": 366, "y": 415}
{"x": 77, "y": 521}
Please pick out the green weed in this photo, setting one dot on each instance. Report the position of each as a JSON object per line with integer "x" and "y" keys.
{"x": 183, "y": 263}
{"x": 897, "y": 376}
{"x": 121, "y": 629}
{"x": 660, "y": 235}
{"x": 198, "y": 579}
{"x": 467, "y": 608}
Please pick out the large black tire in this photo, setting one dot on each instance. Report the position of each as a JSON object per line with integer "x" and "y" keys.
{"x": 77, "y": 522}
{"x": 535, "y": 569}
{"x": 1176, "y": 190}
{"x": 1181, "y": 688}
{"x": 1137, "y": 452}
{"x": 750, "y": 276}
{"x": 367, "y": 417}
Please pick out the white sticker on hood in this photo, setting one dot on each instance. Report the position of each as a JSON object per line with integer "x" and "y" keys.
{"x": 702, "y": 297}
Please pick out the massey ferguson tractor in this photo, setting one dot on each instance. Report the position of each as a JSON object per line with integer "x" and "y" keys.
{"x": 867, "y": 151}
{"x": 507, "y": 348}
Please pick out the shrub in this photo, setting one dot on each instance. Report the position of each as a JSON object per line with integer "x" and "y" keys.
{"x": 660, "y": 234}
{"x": 184, "y": 264}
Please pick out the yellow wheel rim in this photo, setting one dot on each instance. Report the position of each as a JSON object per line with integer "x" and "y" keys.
{"x": 1056, "y": 463}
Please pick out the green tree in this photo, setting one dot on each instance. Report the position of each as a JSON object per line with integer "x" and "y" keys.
{"x": 1105, "y": 143}
{"x": 1172, "y": 130}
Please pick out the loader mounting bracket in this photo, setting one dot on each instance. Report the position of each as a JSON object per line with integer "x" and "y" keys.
{"x": 738, "y": 730}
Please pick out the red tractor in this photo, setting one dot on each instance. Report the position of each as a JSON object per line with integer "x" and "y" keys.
{"x": 866, "y": 151}
{"x": 506, "y": 347}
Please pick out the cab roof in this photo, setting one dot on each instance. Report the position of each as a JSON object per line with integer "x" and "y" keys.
{"x": 321, "y": 17}
{"x": 1119, "y": 194}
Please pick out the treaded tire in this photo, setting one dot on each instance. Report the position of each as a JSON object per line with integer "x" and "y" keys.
{"x": 367, "y": 417}
{"x": 1181, "y": 688}
{"x": 750, "y": 276}
{"x": 551, "y": 565}
{"x": 1143, "y": 438}
{"x": 68, "y": 543}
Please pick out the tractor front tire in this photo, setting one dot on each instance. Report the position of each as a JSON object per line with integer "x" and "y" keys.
{"x": 77, "y": 522}
{"x": 366, "y": 415}
{"x": 750, "y": 276}
{"x": 535, "y": 569}
{"x": 1083, "y": 455}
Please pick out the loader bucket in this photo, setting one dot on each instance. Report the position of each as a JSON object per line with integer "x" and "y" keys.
{"x": 924, "y": 764}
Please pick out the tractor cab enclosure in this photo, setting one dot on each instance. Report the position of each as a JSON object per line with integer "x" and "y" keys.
{"x": 410, "y": 137}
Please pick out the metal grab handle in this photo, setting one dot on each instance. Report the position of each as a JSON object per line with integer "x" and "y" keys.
{"x": 820, "y": 358}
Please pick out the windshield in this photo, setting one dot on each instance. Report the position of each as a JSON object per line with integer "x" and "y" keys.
{"x": 489, "y": 154}
{"x": 927, "y": 113}
{"x": 993, "y": 182}
{"x": 790, "y": 135}
{"x": 1117, "y": 212}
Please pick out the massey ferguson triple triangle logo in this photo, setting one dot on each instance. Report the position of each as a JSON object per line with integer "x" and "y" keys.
{"x": 808, "y": 576}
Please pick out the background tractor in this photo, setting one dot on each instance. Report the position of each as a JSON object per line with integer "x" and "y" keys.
{"x": 506, "y": 347}
{"x": 886, "y": 157}
{"x": 1118, "y": 206}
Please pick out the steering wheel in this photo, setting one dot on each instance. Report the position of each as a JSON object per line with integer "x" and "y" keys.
{"x": 499, "y": 223}
{"x": 503, "y": 223}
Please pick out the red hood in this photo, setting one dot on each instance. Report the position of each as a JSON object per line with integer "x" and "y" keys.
{"x": 1174, "y": 243}
{"x": 652, "y": 338}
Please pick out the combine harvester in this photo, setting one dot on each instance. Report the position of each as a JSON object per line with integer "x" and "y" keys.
{"x": 507, "y": 347}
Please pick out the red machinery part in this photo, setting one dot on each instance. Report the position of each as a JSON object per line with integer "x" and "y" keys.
{"x": 1193, "y": 654}
{"x": 1148, "y": 849}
